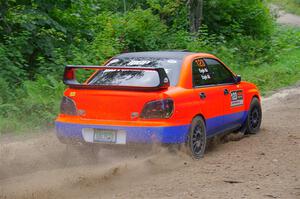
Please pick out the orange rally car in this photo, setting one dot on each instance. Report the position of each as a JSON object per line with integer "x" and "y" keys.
{"x": 168, "y": 97}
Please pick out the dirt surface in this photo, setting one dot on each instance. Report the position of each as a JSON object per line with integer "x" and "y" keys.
{"x": 284, "y": 17}
{"x": 266, "y": 165}
{"x": 290, "y": 19}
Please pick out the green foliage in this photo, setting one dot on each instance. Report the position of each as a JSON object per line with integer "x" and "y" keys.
{"x": 137, "y": 30}
{"x": 268, "y": 77}
{"x": 173, "y": 13}
{"x": 33, "y": 34}
{"x": 246, "y": 17}
{"x": 33, "y": 105}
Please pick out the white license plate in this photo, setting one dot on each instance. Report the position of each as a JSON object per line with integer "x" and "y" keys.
{"x": 102, "y": 135}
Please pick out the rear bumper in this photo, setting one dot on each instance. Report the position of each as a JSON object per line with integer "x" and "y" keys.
{"x": 163, "y": 134}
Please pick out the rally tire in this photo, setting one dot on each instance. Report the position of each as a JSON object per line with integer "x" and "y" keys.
{"x": 196, "y": 142}
{"x": 254, "y": 117}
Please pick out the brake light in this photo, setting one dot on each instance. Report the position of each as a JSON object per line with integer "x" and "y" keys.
{"x": 69, "y": 74}
{"x": 68, "y": 106}
{"x": 160, "y": 109}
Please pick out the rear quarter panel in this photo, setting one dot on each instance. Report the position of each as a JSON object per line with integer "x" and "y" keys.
{"x": 185, "y": 106}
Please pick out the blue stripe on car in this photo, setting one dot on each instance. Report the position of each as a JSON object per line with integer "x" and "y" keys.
{"x": 222, "y": 123}
{"x": 168, "y": 134}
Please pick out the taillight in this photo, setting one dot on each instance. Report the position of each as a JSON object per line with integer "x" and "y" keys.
{"x": 68, "y": 106}
{"x": 160, "y": 109}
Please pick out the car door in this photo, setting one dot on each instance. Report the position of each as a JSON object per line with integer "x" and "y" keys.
{"x": 233, "y": 94}
{"x": 209, "y": 96}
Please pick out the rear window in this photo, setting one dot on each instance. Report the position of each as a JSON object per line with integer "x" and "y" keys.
{"x": 123, "y": 77}
{"x": 171, "y": 66}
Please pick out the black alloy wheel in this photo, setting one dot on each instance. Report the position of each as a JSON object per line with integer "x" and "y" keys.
{"x": 197, "y": 138}
{"x": 254, "y": 117}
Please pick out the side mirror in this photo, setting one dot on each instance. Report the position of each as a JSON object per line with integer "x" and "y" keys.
{"x": 238, "y": 79}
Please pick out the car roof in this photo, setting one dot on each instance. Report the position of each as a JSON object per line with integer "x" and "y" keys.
{"x": 157, "y": 54}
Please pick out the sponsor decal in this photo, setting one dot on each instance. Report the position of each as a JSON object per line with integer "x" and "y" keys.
{"x": 138, "y": 62}
{"x": 203, "y": 70}
{"x": 72, "y": 94}
{"x": 237, "y": 98}
{"x": 205, "y": 77}
{"x": 172, "y": 61}
{"x": 134, "y": 115}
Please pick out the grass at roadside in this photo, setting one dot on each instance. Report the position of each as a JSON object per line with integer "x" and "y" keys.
{"x": 292, "y": 6}
{"x": 282, "y": 73}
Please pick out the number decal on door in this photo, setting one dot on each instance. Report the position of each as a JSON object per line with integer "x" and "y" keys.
{"x": 237, "y": 98}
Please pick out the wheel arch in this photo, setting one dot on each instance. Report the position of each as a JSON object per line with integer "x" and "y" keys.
{"x": 250, "y": 95}
{"x": 255, "y": 96}
{"x": 199, "y": 115}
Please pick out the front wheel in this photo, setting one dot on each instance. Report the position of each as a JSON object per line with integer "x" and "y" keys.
{"x": 196, "y": 142}
{"x": 254, "y": 117}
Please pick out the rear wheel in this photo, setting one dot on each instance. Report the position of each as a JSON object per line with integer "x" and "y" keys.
{"x": 254, "y": 118}
{"x": 197, "y": 138}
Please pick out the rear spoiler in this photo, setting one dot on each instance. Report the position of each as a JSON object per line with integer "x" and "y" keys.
{"x": 70, "y": 78}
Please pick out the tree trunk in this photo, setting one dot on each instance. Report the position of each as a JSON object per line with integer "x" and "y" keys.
{"x": 195, "y": 14}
